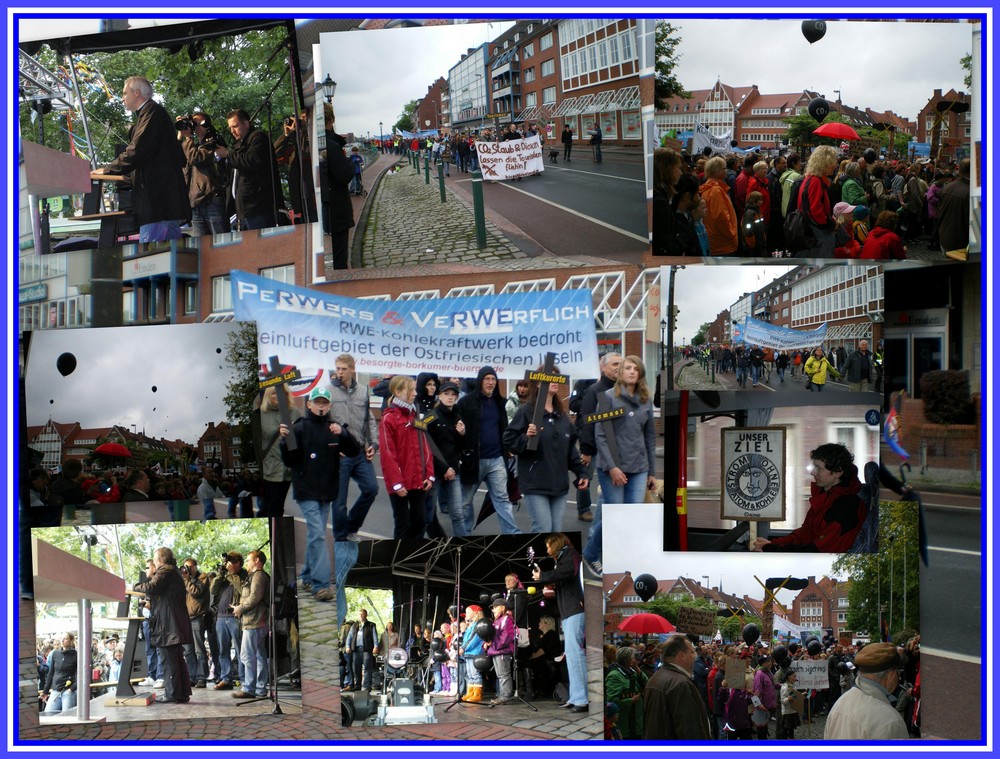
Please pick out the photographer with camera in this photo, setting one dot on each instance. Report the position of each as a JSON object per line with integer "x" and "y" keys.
{"x": 226, "y": 589}
{"x": 256, "y": 186}
{"x": 292, "y": 149}
{"x": 198, "y": 598}
{"x": 206, "y": 174}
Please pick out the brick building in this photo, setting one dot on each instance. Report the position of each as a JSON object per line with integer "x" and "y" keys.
{"x": 431, "y": 113}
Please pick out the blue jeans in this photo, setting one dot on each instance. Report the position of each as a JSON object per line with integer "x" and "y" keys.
{"x": 356, "y": 184}
{"x": 227, "y": 629}
{"x": 253, "y": 656}
{"x": 61, "y": 701}
{"x": 741, "y": 375}
{"x": 546, "y": 511}
{"x": 781, "y": 374}
{"x": 583, "y": 498}
{"x": 359, "y": 469}
{"x": 462, "y": 517}
{"x": 633, "y": 491}
{"x": 345, "y": 556}
{"x": 154, "y": 667}
{"x": 208, "y": 508}
{"x": 195, "y": 654}
{"x": 495, "y": 474}
{"x": 576, "y": 658}
{"x": 209, "y": 217}
{"x": 316, "y": 569}
{"x": 755, "y": 374}
{"x": 472, "y": 675}
{"x": 159, "y": 231}
{"x": 597, "y": 157}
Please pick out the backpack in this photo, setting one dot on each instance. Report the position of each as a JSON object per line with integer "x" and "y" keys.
{"x": 798, "y": 231}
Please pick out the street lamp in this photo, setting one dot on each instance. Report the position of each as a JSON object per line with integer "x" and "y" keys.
{"x": 380, "y": 140}
{"x": 663, "y": 344}
{"x": 329, "y": 89}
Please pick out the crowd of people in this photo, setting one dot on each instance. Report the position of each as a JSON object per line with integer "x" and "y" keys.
{"x": 818, "y": 206}
{"x": 678, "y": 690}
{"x": 861, "y": 368}
{"x": 489, "y": 646}
{"x": 198, "y": 628}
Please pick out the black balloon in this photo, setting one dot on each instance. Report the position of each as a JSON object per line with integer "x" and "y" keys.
{"x": 485, "y": 630}
{"x": 218, "y": 350}
{"x": 435, "y": 645}
{"x": 793, "y": 646}
{"x": 154, "y": 388}
{"x": 484, "y": 599}
{"x": 706, "y": 151}
{"x": 495, "y": 596}
{"x": 733, "y": 143}
{"x": 751, "y": 634}
{"x": 870, "y": 156}
{"x": 645, "y": 586}
{"x": 813, "y": 30}
{"x": 780, "y": 654}
{"x": 483, "y": 663}
{"x": 66, "y": 363}
{"x": 440, "y": 656}
{"x": 814, "y": 647}
{"x": 51, "y": 401}
{"x": 819, "y": 109}
{"x": 842, "y": 667}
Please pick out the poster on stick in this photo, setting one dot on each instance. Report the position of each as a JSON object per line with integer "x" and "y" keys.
{"x": 697, "y": 621}
{"x": 812, "y": 673}
{"x": 753, "y": 473}
{"x": 511, "y": 159}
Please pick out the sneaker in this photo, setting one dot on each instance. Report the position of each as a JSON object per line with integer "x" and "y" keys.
{"x": 158, "y": 683}
{"x": 586, "y": 516}
{"x": 223, "y": 686}
{"x": 242, "y": 694}
{"x": 353, "y": 537}
{"x": 595, "y": 568}
{"x": 200, "y": 685}
{"x": 148, "y": 682}
{"x": 326, "y": 594}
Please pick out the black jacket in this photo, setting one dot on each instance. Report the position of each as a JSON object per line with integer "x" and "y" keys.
{"x": 588, "y": 435}
{"x": 62, "y": 670}
{"x": 155, "y": 162}
{"x": 340, "y": 172}
{"x": 258, "y": 185}
{"x": 315, "y": 463}
{"x": 566, "y": 576}
{"x": 468, "y": 408}
{"x": 449, "y": 443}
{"x": 169, "y": 624}
{"x": 424, "y": 402}
{"x": 543, "y": 470}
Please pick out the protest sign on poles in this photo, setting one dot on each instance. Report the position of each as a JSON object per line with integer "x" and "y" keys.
{"x": 511, "y": 332}
{"x": 511, "y": 159}
{"x": 698, "y": 621}
{"x": 812, "y": 673}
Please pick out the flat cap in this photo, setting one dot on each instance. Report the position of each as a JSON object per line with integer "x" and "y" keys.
{"x": 878, "y": 657}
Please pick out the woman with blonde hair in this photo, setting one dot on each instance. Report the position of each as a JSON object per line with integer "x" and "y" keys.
{"x": 814, "y": 201}
{"x": 626, "y": 460}
{"x": 407, "y": 463}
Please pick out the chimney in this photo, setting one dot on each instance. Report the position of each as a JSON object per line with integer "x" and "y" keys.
{"x": 812, "y": 579}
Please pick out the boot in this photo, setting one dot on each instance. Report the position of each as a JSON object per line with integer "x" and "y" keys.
{"x": 476, "y": 694}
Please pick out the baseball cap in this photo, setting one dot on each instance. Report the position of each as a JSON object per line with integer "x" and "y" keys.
{"x": 319, "y": 392}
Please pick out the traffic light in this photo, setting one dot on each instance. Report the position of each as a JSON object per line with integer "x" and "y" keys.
{"x": 674, "y": 310}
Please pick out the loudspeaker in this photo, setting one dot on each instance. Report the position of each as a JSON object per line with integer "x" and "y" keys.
{"x": 402, "y": 692}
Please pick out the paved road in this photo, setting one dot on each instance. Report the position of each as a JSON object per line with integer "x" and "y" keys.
{"x": 688, "y": 374}
{"x": 574, "y": 208}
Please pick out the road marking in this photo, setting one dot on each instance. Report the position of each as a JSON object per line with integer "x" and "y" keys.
{"x": 640, "y": 238}
{"x": 597, "y": 174}
{"x": 963, "y": 551}
{"x": 939, "y": 652}
{"x": 954, "y": 506}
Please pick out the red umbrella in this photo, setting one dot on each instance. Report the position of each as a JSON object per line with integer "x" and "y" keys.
{"x": 113, "y": 449}
{"x": 641, "y": 624}
{"x": 837, "y": 131}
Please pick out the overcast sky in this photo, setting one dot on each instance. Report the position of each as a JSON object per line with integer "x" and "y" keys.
{"x": 701, "y": 292}
{"x": 379, "y": 71}
{"x": 882, "y": 65}
{"x": 633, "y": 541}
{"x": 116, "y": 371}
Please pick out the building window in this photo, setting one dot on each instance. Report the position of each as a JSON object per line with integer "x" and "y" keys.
{"x": 548, "y": 95}
{"x": 227, "y": 238}
{"x": 613, "y": 46}
{"x": 222, "y": 294}
{"x": 626, "y": 38}
{"x": 529, "y": 75}
{"x": 284, "y": 274}
{"x": 602, "y": 53}
{"x": 530, "y": 99}
{"x": 190, "y": 297}
{"x": 528, "y": 50}
{"x": 843, "y": 602}
{"x": 545, "y": 42}
{"x": 548, "y": 67}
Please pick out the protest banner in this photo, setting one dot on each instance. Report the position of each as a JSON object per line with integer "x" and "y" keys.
{"x": 511, "y": 159}
{"x": 512, "y": 332}
{"x": 812, "y": 673}
{"x": 753, "y": 465}
{"x": 703, "y": 138}
{"x": 698, "y": 621}
{"x": 755, "y": 332}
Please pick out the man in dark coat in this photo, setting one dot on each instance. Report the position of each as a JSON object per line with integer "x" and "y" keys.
{"x": 155, "y": 162}
{"x": 674, "y": 710}
{"x": 340, "y": 171}
{"x": 954, "y": 211}
{"x": 169, "y": 625}
{"x": 256, "y": 183}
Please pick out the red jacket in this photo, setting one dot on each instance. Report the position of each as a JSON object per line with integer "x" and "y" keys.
{"x": 883, "y": 243}
{"x": 817, "y": 210}
{"x": 406, "y": 458}
{"x": 755, "y": 184}
{"x": 833, "y": 521}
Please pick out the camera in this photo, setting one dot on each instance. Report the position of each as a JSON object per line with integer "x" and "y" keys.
{"x": 289, "y": 121}
{"x": 184, "y": 124}
{"x": 212, "y": 139}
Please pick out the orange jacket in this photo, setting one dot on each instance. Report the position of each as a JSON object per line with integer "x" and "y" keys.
{"x": 720, "y": 218}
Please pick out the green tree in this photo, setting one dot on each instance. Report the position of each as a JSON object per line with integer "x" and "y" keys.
{"x": 668, "y": 607}
{"x": 732, "y": 627}
{"x": 701, "y": 336}
{"x": 966, "y": 62}
{"x": 243, "y": 387}
{"x": 889, "y": 579}
{"x": 407, "y": 121}
{"x": 666, "y": 84}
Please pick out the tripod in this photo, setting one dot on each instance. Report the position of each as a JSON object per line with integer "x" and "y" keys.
{"x": 517, "y": 689}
